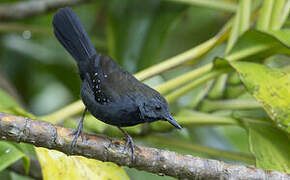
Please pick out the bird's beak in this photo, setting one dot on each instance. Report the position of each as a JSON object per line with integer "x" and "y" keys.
{"x": 173, "y": 122}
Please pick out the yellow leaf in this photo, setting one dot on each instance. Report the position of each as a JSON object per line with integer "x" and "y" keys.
{"x": 58, "y": 166}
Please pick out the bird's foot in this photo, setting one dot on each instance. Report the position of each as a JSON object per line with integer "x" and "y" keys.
{"x": 130, "y": 143}
{"x": 77, "y": 133}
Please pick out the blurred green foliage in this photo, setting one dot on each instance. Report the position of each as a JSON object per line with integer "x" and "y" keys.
{"x": 221, "y": 119}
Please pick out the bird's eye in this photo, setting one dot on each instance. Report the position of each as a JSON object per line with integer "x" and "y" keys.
{"x": 157, "y": 107}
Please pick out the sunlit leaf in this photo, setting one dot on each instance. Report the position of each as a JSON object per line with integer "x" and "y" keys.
{"x": 270, "y": 87}
{"x": 282, "y": 35}
{"x": 57, "y": 166}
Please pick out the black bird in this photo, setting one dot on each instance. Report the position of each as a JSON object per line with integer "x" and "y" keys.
{"x": 109, "y": 93}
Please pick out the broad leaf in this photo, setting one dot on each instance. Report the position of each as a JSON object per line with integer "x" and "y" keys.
{"x": 6, "y": 101}
{"x": 10, "y": 154}
{"x": 271, "y": 87}
{"x": 57, "y": 166}
{"x": 10, "y": 175}
{"x": 256, "y": 45}
{"x": 9, "y": 105}
{"x": 282, "y": 35}
{"x": 270, "y": 147}
{"x": 238, "y": 137}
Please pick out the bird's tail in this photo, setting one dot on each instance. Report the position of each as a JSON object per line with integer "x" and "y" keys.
{"x": 72, "y": 35}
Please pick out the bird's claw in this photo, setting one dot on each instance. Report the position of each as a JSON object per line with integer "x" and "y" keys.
{"x": 130, "y": 143}
{"x": 77, "y": 133}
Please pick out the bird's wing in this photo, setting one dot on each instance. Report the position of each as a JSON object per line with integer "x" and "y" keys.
{"x": 112, "y": 83}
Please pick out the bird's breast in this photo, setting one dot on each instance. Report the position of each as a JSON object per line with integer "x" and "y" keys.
{"x": 121, "y": 112}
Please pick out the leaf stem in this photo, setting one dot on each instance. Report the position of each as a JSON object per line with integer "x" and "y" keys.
{"x": 179, "y": 92}
{"x": 245, "y": 13}
{"x": 234, "y": 33}
{"x": 285, "y": 14}
{"x": 182, "y": 79}
{"x": 265, "y": 15}
{"x": 277, "y": 14}
{"x": 232, "y": 104}
{"x": 248, "y": 158}
{"x": 190, "y": 55}
{"x": 218, "y": 89}
{"x": 213, "y": 4}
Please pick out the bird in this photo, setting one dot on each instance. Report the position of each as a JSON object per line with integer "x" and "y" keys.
{"x": 110, "y": 93}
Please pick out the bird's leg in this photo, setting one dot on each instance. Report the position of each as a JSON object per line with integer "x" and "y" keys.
{"x": 129, "y": 142}
{"x": 79, "y": 131}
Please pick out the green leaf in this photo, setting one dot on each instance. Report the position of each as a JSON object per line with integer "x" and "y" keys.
{"x": 221, "y": 63}
{"x": 256, "y": 45}
{"x": 252, "y": 45}
{"x": 57, "y": 165}
{"x": 9, "y": 105}
{"x": 270, "y": 147}
{"x": 6, "y": 101}
{"x": 10, "y": 154}
{"x": 270, "y": 87}
{"x": 238, "y": 137}
{"x": 282, "y": 35}
{"x": 15, "y": 176}
{"x": 136, "y": 31}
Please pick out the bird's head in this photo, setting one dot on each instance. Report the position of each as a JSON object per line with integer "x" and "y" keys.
{"x": 157, "y": 109}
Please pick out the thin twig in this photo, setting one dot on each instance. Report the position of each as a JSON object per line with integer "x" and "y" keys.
{"x": 44, "y": 134}
{"x": 22, "y": 10}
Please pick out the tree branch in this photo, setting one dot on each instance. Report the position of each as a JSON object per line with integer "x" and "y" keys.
{"x": 21, "y": 10}
{"x": 44, "y": 134}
